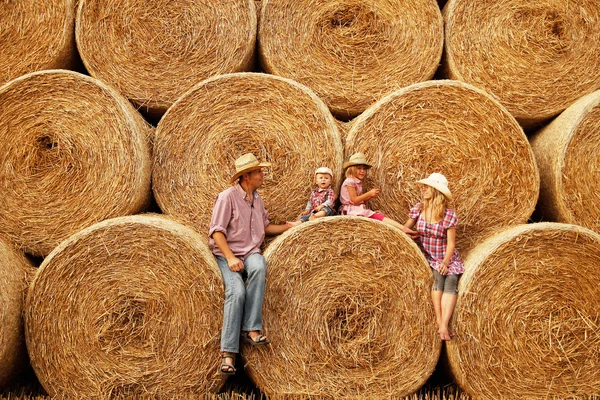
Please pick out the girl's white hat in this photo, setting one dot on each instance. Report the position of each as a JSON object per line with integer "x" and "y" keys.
{"x": 439, "y": 182}
{"x": 324, "y": 170}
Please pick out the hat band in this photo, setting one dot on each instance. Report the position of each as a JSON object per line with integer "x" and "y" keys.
{"x": 247, "y": 164}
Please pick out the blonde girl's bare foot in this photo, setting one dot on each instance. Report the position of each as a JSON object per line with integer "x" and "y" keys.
{"x": 444, "y": 334}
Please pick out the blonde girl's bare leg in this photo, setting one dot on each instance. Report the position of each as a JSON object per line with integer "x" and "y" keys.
{"x": 436, "y": 299}
{"x": 448, "y": 302}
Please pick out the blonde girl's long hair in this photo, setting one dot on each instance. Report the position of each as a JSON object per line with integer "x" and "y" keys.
{"x": 436, "y": 205}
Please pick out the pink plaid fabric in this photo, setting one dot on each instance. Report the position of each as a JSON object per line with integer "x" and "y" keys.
{"x": 318, "y": 197}
{"x": 434, "y": 239}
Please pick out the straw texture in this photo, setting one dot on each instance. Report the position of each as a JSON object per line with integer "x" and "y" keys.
{"x": 567, "y": 154}
{"x": 527, "y": 315}
{"x": 127, "y": 307}
{"x": 348, "y": 311}
{"x": 536, "y": 57}
{"x": 457, "y": 130}
{"x": 14, "y": 272}
{"x": 154, "y": 51}
{"x": 74, "y": 152}
{"x": 199, "y": 138}
{"x": 36, "y": 35}
{"x": 351, "y": 52}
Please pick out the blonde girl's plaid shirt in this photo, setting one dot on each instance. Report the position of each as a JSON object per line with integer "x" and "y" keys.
{"x": 434, "y": 239}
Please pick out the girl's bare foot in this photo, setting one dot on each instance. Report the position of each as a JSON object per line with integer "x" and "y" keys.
{"x": 444, "y": 334}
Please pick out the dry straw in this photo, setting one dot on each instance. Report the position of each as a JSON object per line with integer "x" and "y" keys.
{"x": 348, "y": 311}
{"x": 527, "y": 318}
{"x": 457, "y": 130}
{"x": 351, "y": 52}
{"x": 74, "y": 152}
{"x": 154, "y": 51}
{"x": 127, "y": 307}
{"x": 199, "y": 138}
{"x": 536, "y": 57}
{"x": 567, "y": 154}
{"x": 36, "y": 35}
{"x": 15, "y": 271}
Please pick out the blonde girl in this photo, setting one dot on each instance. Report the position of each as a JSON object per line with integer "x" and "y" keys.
{"x": 436, "y": 225}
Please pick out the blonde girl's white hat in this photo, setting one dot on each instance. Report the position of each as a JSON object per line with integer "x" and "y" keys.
{"x": 247, "y": 163}
{"x": 357, "y": 159}
{"x": 324, "y": 170}
{"x": 439, "y": 182}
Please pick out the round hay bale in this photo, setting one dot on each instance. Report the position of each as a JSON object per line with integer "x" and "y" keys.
{"x": 460, "y": 131}
{"x": 537, "y": 57}
{"x": 74, "y": 152}
{"x": 199, "y": 138}
{"x": 36, "y": 35}
{"x": 154, "y": 51}
{"x": 127, "y": 307}
{"x": 351, "y": 52}
{"x": 566, "y": 153}
{"x": 527, "y": 315}
{"x": 15, "y": 271}
{"x": 348, "y": 311}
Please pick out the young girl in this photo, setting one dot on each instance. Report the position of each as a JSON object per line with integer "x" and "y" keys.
{"x": 436, "y": 224}
{"x": 353, "y": 199}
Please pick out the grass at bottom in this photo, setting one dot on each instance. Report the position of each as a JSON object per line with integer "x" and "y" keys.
{"x": 240, "y": 387}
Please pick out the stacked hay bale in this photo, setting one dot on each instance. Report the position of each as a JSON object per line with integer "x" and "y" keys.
{"x": 347, "y": 307}
{"x": 527, "y": 317}
{"x": 351, "y": 53}
{"x": 132, "y": 307}
{"x": 537, "y": 57}
{"x": 75, "y": 152}
{"x": 127, "y": 307}
{"x": 15, "y": 271}
{"x": 153, "y": 51}
{"x": 460, "y": 131}
{"x": 36, "y": 35}
{"x": 199, "y": 138}
{"x": 566, "y": 153}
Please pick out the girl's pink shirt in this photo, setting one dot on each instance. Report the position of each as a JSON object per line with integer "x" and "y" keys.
{"x": 348, "y": 207}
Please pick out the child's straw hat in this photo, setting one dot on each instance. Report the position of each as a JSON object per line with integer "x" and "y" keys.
{"x": 357, "y": 159}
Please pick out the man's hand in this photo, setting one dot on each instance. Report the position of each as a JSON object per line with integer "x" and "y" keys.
{"x": 235, "y": 264}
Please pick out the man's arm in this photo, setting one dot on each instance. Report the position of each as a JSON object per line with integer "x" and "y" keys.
{"x": 273, "y": 229}
{"x": 235, "y": 264}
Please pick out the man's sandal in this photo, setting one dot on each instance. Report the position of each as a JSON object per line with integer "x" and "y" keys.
{"x": 260, "y": 340}
{"x": 227, "y": 368}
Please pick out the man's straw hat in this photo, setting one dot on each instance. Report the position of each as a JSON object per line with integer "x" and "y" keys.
{"x": 247, "y": 163}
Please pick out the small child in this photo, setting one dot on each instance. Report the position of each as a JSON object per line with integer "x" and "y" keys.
{"x": 352, "y": 198}
{"x": 436, "y": 224}
{"x": 320, "y": 203}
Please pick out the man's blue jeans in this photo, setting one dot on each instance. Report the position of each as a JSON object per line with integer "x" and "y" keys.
{"x": 243, "y": 300}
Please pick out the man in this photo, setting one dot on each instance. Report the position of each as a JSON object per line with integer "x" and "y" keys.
{"x": 237, "y": 230}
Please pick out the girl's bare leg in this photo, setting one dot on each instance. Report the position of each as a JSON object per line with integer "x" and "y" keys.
{"x": 448, "y": 301}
